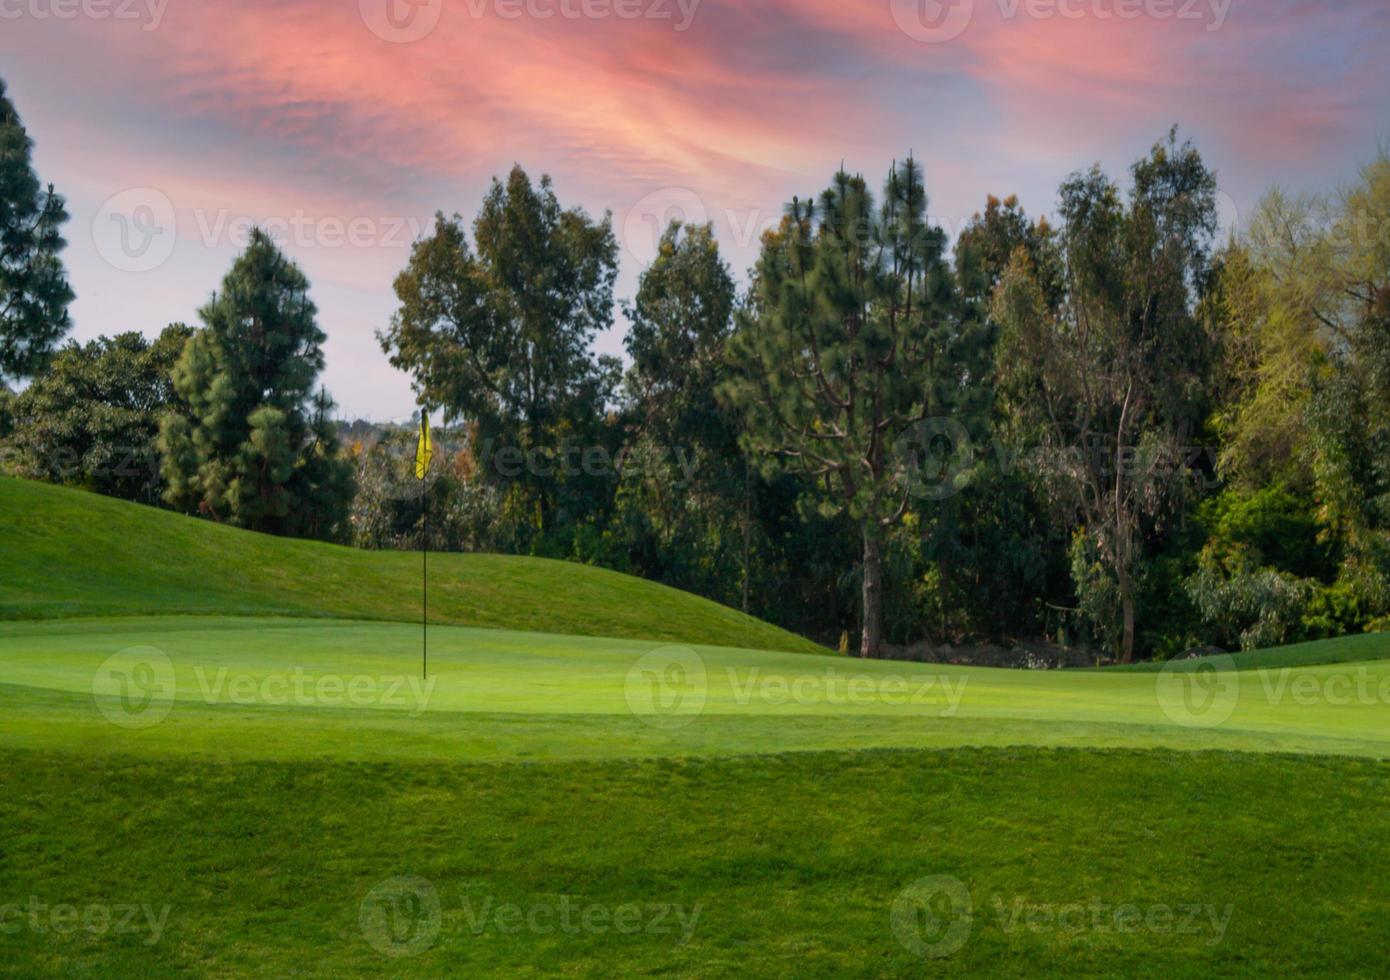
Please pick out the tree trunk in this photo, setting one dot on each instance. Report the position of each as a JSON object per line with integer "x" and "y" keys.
{"x": 873, "y": 594}
{"x": 747, "y": 526}
{"x": 1127, "y": 608}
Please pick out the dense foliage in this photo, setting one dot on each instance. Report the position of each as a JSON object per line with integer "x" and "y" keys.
{"x": 91, "y": 419}
{"x": 1109, "y": 429}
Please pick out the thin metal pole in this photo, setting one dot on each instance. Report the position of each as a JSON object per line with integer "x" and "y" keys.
{"x": 425, "y": 583}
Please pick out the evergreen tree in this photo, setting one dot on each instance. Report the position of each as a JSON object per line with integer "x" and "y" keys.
{"x": 856, "y": 334}
{"x": 34, "y": 292}
{"x": 256, "y": 446}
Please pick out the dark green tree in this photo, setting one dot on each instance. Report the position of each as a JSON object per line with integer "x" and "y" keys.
{"x": 1111, "y": 380}
{"x": 987, "y": 245}
{"x": 684, "y": 507}
{"x": 34, "y": 291}
{"x": 92, "y": 419}
{"x": 253, "y": 443}
{"x": 499, "y": 335}
{"x": 856, "y": 336}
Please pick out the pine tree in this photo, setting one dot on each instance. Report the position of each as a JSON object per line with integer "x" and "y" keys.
{"x": 34, "y": 292}
{"x": 256, "y": 447}
{"x": 856, "y": 335}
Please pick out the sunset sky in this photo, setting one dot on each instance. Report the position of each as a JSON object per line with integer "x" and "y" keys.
{"x": 345, "y": 124}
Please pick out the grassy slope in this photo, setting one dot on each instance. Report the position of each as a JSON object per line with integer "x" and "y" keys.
{"x": 1342, "y": 650}
{"x": 67, "y": 553}
{"x": 792, "y": 861}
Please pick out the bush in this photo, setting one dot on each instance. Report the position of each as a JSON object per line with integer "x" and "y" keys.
{"x": 1253, "y": 608}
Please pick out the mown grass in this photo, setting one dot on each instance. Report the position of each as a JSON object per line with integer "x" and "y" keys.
{"x": 770, "y": 835}
{"x": 495, "y": 695}
{"x": 67, "y": 553}
{"x": 787, "y": 865}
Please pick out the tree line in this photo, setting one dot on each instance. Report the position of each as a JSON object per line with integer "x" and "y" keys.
{"x": 1110, "y": 429}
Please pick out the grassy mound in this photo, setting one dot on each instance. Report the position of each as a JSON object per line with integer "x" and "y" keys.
{"x": 67, "y": 553}
{"x": 1342, "y": 650}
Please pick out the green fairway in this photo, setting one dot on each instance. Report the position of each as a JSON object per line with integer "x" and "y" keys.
{"x": 238, "y": 687}
{"x": 258, "y": 779}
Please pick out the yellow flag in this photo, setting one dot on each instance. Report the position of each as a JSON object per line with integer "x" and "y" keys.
{"x": 424, "y": 449}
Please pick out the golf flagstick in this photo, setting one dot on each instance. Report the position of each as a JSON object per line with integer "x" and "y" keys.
{"x": 424, "y": 452}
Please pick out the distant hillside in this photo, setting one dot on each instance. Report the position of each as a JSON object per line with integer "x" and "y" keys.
{"x": 69, "y": 553}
